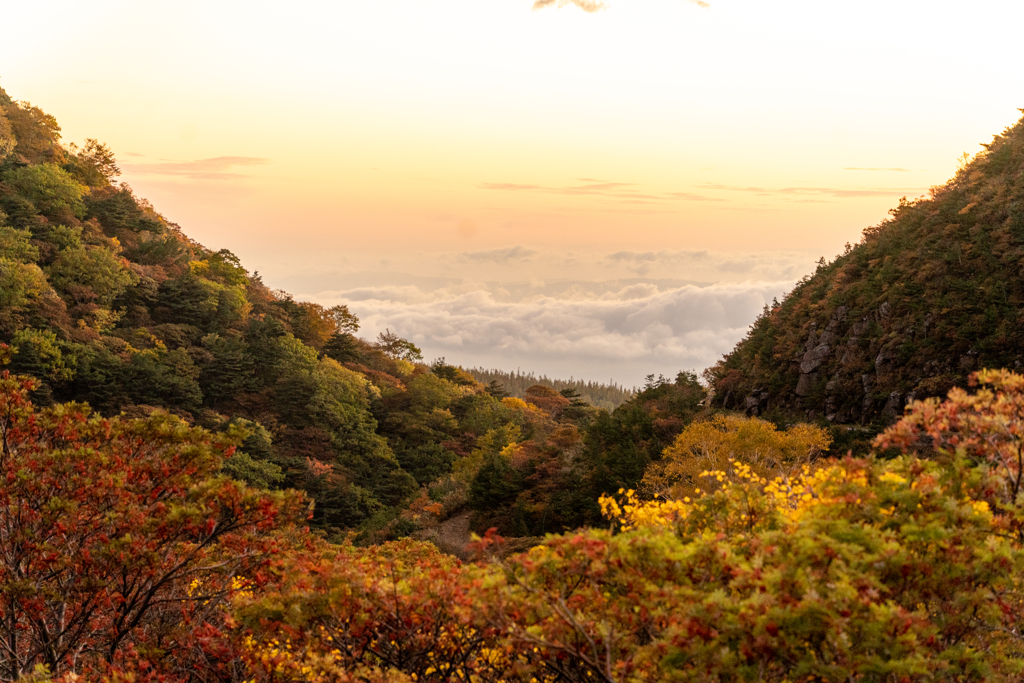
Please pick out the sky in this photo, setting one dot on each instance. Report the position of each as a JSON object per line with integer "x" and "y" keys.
{"x": 576, "y": 189}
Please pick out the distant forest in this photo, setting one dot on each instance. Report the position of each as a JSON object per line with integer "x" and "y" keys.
{"x": 607, "y": 396}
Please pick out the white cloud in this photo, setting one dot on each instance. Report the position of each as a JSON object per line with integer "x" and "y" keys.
{"x": 583, "y": 331}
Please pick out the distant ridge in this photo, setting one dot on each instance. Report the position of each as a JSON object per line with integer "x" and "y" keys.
{"x": 607, "y": 396}
{"x": 928, "y": 296}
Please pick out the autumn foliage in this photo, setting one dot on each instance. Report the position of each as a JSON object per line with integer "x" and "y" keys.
{"x": 119, "y": 544}
{"x": 837, "y": 570}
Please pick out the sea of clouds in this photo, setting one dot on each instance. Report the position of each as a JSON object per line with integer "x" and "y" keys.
{"x": 617, "y": 331}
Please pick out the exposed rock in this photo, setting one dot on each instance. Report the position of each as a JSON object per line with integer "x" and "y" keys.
{"x": 886, "y": 356}
{"x": 860, "y": 328}
{"x": 814, "y": 358}
{"x": 812, "y": 338}
{"x": 806, "y": 383}
{"x": 893, "y": 406}
{"x": 755, "y": 402}
{"x": 833, "y": 388}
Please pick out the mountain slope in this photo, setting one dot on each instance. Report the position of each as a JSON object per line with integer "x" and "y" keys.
{"x": 928, "y": 295}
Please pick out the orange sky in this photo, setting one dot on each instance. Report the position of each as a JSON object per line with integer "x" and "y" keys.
{"x": 415, "y": 138}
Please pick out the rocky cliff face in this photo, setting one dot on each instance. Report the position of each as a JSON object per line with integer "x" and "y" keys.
{"x": 928, "y": 296}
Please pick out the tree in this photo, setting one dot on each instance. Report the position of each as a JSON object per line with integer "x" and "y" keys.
{"x": 714, "y": 444}
{"x": 96, "y": 268}
{"x": 622, "y": 445}
{"x": 398, "y": 348}
{"x": 53, "y": 191}
{"x": 22, "y": 286}
{"x": 347, "y": 322}
{"x": 118, "y": 541}
{"x": 37, "y": 133}
{"x": 397, "y": 612}
{"x": 986, "y": 426}
{"x": 7, "y": 139}
{"x": 94, "y": 164}
{"x": 15, "y": 245}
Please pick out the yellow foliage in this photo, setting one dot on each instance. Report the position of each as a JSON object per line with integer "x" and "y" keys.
{"x": 788, "y": 495}
{"x": 714, "y": 444}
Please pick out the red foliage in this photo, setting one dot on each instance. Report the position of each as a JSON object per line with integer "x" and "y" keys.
{"x": 118, "y": 542}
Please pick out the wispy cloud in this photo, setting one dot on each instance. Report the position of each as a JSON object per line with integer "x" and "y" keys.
{"x": 860, "y": 168}
{"x": 771, "y": 265}
{"x": 840, "y": 192}
{"x": 503, "y": 256}
{"x": 693, "y": 197}
{"x": 216, "y": 168}
{"x": 620, "y": 192}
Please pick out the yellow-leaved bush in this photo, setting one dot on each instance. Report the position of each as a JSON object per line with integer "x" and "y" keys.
{"x": 716, "y": 443}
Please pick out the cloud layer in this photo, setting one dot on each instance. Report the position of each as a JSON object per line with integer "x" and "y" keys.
{"x": 586, "y": 332}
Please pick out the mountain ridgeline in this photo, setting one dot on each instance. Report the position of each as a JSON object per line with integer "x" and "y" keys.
{"x": 928, "y": 296}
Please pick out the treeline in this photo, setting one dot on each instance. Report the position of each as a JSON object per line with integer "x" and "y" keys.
{"x": 607, "y": 396}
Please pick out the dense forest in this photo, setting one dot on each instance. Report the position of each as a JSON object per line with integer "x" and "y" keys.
{"x": 203, "y": 480}
{"x": 925, "y": 298}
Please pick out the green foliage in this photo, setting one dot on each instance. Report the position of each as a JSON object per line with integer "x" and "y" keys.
{"x": 96, "y": 269}
{"x": 342, "y": 348}
{"x": 38, "y": 353}
{"x": 121, "y": 213}
{"x": 259, "y": 474}
{"x": 55, "y": 238}
{"x": 162, "y": 378}
{"x": 622, "y": 445}
{"x": 15, "y": 245}
{"x": 229, "y": 371}
{"x": 94, "y": 165}
{"x": 21, "y": 286}
{"x": 51, "y": 189}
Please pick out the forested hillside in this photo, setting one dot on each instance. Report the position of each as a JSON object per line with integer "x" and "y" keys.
{"x": 927, "y": 296}
{"x": 105, "y": 301}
